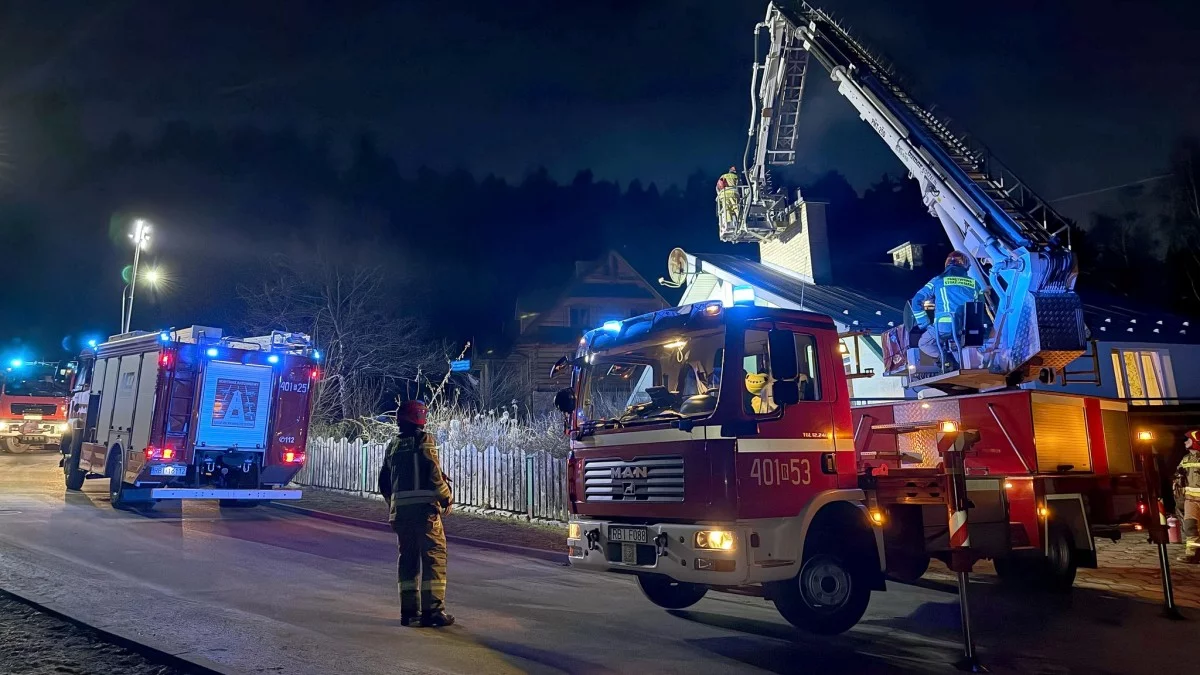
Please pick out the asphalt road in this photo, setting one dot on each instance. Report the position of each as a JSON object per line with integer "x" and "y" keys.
{"x": 261, "y": 590}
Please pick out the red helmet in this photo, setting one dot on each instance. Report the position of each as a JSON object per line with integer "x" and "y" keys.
{"x": 957, "y": 258}
{"x": 412, "y": 412}
{"x": 1193, "y": 436}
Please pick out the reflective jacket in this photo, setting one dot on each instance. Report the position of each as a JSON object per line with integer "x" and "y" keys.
{"x": 731, "y": 179}
{"x": 949, "y": 291}
{"x": 412, "y": 475}
{"x": 1188, "y": 473}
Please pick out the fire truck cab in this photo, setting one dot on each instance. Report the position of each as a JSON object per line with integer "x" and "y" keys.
{"x": 713, "y": 446}
{"x": 191, "y": 414}
{"x": 33, "y": 405}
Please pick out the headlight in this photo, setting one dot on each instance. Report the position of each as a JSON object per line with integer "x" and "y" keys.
{"x": 62, "y": 427}
{"x": 573, "y": 531}
{"x": 719, "y": 540}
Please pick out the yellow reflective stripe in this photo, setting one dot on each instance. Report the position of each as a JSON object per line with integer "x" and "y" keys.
{"x": 1189, "y": 465}
{"x": 958, "y": 281}
{"x": 433, "y": 585}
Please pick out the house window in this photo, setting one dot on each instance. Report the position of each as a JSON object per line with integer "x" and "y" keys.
{"x": 581, "y": 317}
{"x": 1141, "y": 376}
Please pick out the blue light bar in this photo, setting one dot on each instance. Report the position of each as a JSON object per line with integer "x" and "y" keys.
{"x": 612, "y": 326}
{"x": 164, "y": 336}
{"x": 316, "y": 355}
{"x": 16, "y": 363}
{"x": 212, "y": 351}
{"x": 273, "y": 359}
{"x": 743, "y": 295}
{"x": 91, "y": 344}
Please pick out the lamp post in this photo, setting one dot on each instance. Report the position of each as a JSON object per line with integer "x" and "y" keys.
{"x": 151, "y": 276}
{"x": 141, "y": 239}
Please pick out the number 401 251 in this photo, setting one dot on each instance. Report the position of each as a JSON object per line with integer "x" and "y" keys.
{"x": 781, "y": 471}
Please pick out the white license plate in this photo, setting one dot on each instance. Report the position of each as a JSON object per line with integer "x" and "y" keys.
{"x": 168, "y": 470}
{"x": 629, "y": 554}
{"x": 33, "y": 439}
{"x": 637, "y": 535}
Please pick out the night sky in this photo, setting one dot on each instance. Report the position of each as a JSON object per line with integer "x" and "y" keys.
{"x": 1075, "y": 95}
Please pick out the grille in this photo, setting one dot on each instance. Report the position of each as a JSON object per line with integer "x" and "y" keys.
{"x": 649, "y": 479}
{"x": 46, "y": 409}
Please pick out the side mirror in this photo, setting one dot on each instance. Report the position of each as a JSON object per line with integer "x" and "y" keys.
{"x": 785, "y": 392}
{"x": 564, "y": 400}
{"x": 558, "y": 366}
{"x": 782, "y": 344}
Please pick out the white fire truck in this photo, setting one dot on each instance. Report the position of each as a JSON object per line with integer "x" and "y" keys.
{"x": 191, "y": 414}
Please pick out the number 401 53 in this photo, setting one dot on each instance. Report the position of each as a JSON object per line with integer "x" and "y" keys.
{"x": 781, "y": 471}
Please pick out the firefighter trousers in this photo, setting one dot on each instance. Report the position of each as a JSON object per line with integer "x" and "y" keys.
{"x": 1191, "y": 521}
{"x": 422, "y": 564}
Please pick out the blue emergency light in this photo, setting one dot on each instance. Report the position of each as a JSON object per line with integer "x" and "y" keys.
{"x": 164, "y": 336}
{"x": 272, "y": 359}
{"x": 612, "y": 326}
{"x": 743, "y": 295}
{"x": 91, "y": 344}
{"x": 212, "y": 352}
{"x": 16, "y": 363}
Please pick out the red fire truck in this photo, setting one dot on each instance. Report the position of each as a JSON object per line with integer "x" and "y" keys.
{"x": 715, "y": 447}
{"x": 33, "y": 405}
{"x": 192, "y": 414}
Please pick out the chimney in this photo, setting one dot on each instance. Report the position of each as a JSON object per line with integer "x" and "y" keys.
{"x": 803, "y": 248}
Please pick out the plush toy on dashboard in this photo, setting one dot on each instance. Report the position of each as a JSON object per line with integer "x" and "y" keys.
{"x": 756, "y": 383}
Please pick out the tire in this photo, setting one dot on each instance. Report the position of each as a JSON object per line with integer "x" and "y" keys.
{"x": 73, "y": 476}
{"x": 907, "y": 567}
{"x": 1054, "y": 571}
{"x": 115, "y": 468}
{"x": 827, "y": 597}
{"x": 670, "y": 594}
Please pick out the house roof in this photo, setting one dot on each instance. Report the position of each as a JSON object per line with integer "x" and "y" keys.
{"x": 846, "y": 305}
{"x": 579, "y": 286}
{"x": 863, "y": 306}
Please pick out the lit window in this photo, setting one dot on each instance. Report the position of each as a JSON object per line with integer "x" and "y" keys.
{"x": 1141, "y": 376}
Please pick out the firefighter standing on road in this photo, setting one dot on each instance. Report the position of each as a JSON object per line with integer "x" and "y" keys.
{"x": 727, "y": 197}
{"x": 418, "y": 493}
{"x": 1187, "y": 476}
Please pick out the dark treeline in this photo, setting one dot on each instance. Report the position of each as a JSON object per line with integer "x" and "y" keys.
{"x": 458, "y": 248}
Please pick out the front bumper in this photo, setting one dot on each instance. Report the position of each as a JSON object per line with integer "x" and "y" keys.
{"x": 670, "y": 550}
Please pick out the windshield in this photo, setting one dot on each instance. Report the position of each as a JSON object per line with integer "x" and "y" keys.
{"x": 669, "y": 376}
{"x": 34, "y": 381}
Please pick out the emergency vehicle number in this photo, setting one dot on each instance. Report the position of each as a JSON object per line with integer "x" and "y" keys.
{"x": 780, "y": 471}
{"x": 297, "y": 387}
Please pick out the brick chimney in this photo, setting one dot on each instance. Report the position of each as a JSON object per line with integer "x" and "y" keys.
{"x": 803, "y": 248}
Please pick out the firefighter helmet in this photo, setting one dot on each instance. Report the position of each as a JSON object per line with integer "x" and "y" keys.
{"x": 733, "y": 169}
{"x": 1192, "y": 438}
{"x": 956, "y": 258}
{"x": 412, "y": 412}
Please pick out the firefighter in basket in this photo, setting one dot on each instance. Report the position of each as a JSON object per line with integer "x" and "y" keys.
{"x": 418, "y": 494}
{"x": 727, "y": 198}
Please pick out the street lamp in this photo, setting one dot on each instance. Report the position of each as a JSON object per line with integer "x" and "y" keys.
{"x": 141, "y": 239}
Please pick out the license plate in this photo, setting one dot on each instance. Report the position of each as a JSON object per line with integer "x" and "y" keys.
{"x": 168, "y": 470}
{"x": 629, "y": 554}
{"x": 33, "y": 439}
{"x": 637, "y": 535}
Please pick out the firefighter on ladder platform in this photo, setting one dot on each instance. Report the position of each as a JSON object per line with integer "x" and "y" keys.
{"x": 417, "y": 493}
{"x": 1187, "y": 479}
{"x": 949, "y": 292}
{"x": 727, "y": 198}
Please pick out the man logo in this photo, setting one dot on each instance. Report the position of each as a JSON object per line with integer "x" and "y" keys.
{"x": 630, "y": 472}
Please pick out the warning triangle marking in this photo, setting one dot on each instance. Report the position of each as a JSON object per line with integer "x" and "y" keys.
{"x": 234, "y": 411}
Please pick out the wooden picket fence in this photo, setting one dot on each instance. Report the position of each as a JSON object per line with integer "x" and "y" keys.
{"x": 532, "y": 484}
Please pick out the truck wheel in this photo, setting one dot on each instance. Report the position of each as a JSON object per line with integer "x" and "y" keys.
{"x": 827, "y": 597}
{"x": 72, "y": 475}
{"x": 670, "y": 594}
{"x": 1061, "y": 561}
{"x": 115, "y": 468}
{"x": 907, "y": 567}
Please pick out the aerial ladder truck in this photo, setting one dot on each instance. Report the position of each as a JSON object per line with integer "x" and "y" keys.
{"x": 1031, "y": 324}
{"x": 714, "y": 445}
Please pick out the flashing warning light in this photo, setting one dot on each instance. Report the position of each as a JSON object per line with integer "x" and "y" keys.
{"x": 743, "y": 295}
{"x": 16, "y": 363}
{"x": 164, "y": 336}
{"x": 316, "y": 355}
{"x": 165, "y": 360}
{"x": 168, "y": 453}
{"x": 91, "y": 344}
{"x": 211, "y": 352}
{"x": 273, "y": 359}
{"x": 877, "y": 516}
{"x": 293, "y": 457}
{"x": 949, "y": 427}
{"x": 612, "y": 326}
{"x": 1145, "y": 436}
{"x": 1043, "y": 512}
{"x": 314, "y": 373}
